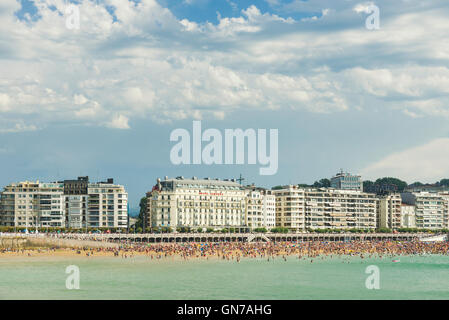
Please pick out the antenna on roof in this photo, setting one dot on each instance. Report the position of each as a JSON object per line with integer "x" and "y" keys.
{"x": 240, "y": 180}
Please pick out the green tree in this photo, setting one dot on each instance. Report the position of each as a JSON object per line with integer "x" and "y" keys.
{"x": 323, "y": 183}
{"x": 401, "y": 185}
{"x": 279, "y": 230}
{"x": 416, "y": 184}
{"x": 142, "y": 213}
{"x": 368, "y": 185}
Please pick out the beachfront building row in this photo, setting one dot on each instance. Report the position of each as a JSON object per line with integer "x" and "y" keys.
{"x": 420, "y": 209}
{"x": 218, "y": 204}
{"x": 209, "y": 203}
{"x": 69, "y": 203}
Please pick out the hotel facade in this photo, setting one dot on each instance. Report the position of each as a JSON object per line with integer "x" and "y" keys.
{"x": 70, "y": 203}
{"x": 196, "y": 203}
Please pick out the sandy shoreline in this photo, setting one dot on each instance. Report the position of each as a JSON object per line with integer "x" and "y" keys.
{"x": 70, "y": 253}
{"x": 72, "y": 249}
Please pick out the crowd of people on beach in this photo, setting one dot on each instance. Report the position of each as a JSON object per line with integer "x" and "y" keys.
{"x": 302, "y": 250}
{"x": 235, "y": 251}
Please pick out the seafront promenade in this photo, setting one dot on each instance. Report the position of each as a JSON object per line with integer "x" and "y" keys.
{"x": 249, "y": 237}
{"x": 224, "y": 237}
{"x": 115, "y": 238}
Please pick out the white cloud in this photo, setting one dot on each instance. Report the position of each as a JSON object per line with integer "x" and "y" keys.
{"x": 19, "y": 126}
{"x": 119, "y": 122}
{"x": 363, "y": 7}
{"x": 80, "y": 99}
{"x": 425, "y": 163}
{"x": 4, "y": 102}
{"x": 90, "y": 111}
{"x": 149, "y": 64}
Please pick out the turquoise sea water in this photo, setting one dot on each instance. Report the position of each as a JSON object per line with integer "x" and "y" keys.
{"x": 425, "y": 277}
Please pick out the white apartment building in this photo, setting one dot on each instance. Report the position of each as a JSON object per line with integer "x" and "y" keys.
{"x": 49, "y": 205}
{"x": 340, "y": 209}
{"x": 430, "y": 209}
{"x": 261, "y": 209}
{"x": 107, "y": 205}
{"x": 290, "y": 208}
{"x": 196, "y": 203}
{"x": 64, "y": 204}
{"x": 76, "y": 210}
{"x": 389, "y": 215}
{"x": 30, "y": 204}
{"x": 408, "y": 218}
{"x": 326, "y": 208}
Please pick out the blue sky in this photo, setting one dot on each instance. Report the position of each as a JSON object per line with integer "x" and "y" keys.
{"x": 102, "y": 100}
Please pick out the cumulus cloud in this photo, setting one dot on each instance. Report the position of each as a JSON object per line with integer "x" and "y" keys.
{"x": 119, "y": 122}
{"x": 140, "y": 61}
{"x": 363, "y": 7}
{"x": 4, "y": 102}
{"x": 425, "y": 163}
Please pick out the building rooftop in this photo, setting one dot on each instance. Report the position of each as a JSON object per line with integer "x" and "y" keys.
{"x": 181, "y": 182}
{"x": 345, "y": 174}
